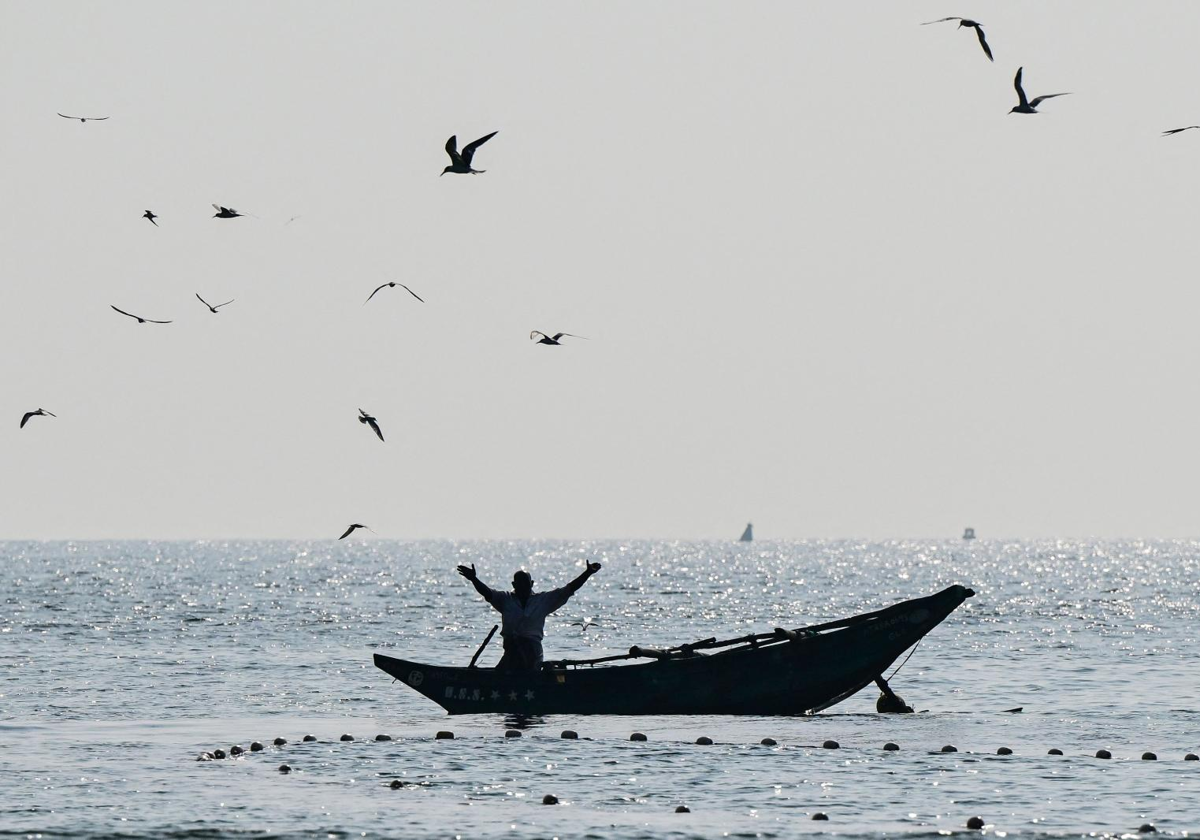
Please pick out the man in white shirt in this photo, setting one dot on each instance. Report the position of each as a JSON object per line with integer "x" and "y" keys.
{"x": 523, "y": 614}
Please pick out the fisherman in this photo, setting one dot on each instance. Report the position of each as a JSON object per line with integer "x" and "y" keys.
{"x": 524, "y": 614}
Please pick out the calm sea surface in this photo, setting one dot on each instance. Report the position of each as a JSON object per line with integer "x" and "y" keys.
{"x": 120, "y": 662}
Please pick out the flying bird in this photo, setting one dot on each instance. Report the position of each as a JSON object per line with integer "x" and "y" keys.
{"x": 546, "y": 339}
{"x": 393, "y": 284}
{"x": 1029, "y": 106}
{"x": 351, "y": 530}
{"x": 149, "y": 214}
{"x": 363, "y": 417}
{"x": 585, "y": 624}
{"x": 225, "y": 212}
{"x": 81, "y": 119}
{"x": 460, "y": 162}
{"x": 211, "y": 308}
{"x": 1171, "y": 131}
{"x": 41, "y": 412}
{"x": 970, "y": 24}
{"x": 140, "y": 319}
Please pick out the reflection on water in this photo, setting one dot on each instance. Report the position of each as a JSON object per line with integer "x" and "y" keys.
{"x": 120, "y": 662}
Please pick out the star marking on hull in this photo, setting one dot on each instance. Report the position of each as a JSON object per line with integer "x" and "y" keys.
{"x": 512, "y": 695}
{"x": 529, "y": 695}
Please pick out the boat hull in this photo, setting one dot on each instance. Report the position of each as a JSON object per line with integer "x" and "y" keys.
{"x": 807, "y": 674}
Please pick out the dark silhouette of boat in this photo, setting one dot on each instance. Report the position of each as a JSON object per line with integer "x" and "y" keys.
{"x": 748, "y": 534}
{"x": 968, "y": 533}
{"x": 785, "y": 672}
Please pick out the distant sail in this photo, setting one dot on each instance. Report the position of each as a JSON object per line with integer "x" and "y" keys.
{"x": 969, "y": 534}
{"x": 748, "y": 534}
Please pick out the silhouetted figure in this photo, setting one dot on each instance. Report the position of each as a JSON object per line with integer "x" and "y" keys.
{"x": 523, "y": 613}
{"x": 970, "y": 24}
{"x": 1171, "y": 131}
{"x": 363, "y": 417}
{"x": 151, "y": 216}
{"x": 352, "y": 529}
{"x": 41, "y": 412}
{"x": 139, "y": 318}
{"x": 392, "y": 284}
{"x": 225, "y": 212}
{"x": 211, "y": 308}
{"x": 460, "y": 162}
{"x": 554, "y": 339}
{"x": 1029, "y": 106}
{"x": 81, "y": 119}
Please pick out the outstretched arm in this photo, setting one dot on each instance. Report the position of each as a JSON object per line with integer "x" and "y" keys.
{"x": 591, "y": 569}
{"x": 469, "y": 573}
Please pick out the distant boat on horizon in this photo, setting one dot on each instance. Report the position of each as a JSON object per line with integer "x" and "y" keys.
{"x": 969, "y": 534}
{"x": 748, "y": 534}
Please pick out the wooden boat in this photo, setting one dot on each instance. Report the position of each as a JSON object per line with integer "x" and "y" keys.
{"x": 785, "y": 672}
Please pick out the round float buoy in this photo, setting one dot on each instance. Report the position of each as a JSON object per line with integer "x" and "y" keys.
{"x": 512, "y": 733}
{"x": 975, "y": 822}
{"x": 1004, "y": 751}
{"x": 637, "y": 736}
{"x": 768, "y": 742}
{"x": 1147, "y": 828}
{"x": 396, "y": 784}
{"x": 444, "y": 735}
{"x": 570, "y": 735}
{"x": 549, "y": 799}
{"x": 949, "y": 748}
{"x": 1103, "y": 754}
{"x": 891, "y": 747}
{"x": 1149, "y": 756}
{"x": 255, "y": 746}
{"x": 830, "y": 745}
{"x": 704, "y": 741}
{"x": 283, "y": 768}
{"x": 1054, "y": 751}
{"x": 205, "y": 756}
{"x": 346, "y": 738}
{"x": 279, "y": 742}
{"x": 1191, "y": 757}
{"x": 820, "y": 816}
{"x": 310, "y": 738}
{"x": 383, "y": 737}
{"x": 683, "y": 809}
{"x": 236, "y": 750}
{"x": 218, "y": 753}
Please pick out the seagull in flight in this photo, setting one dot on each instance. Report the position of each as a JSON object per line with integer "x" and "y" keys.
{"x": 460, "y": 162}
{"x": 225, "y": 212}
{"x": 211, "y": 308}
{"x": 363, "y": 417}
{"x": 585, "y": 624}
{"x": 140, "y": 319}
{"x": 1171, "y": 131}
{"x": 352, "y": 529}
{"x": 1029, "y": 106}
{"x": 81, "y": 119}
{"x": 393, "y": 284}
{"x": 554, "y": 339}
{"x": 149, "y": 214}
{"x": 41, "y": 412}
{"x": 970, "y": 24}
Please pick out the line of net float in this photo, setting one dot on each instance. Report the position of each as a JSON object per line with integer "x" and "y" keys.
{"x": 703, "y": 740}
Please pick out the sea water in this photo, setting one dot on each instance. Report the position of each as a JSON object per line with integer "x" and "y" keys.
{"x": 120, "y": 662}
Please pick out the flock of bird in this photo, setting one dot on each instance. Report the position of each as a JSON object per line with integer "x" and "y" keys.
{"x": 460, "y": 164}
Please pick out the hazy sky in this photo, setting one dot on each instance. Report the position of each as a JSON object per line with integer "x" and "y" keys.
{"x": 830, "y": 284}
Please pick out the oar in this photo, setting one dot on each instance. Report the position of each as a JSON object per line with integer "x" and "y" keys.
{"x": 495, "y": 627}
